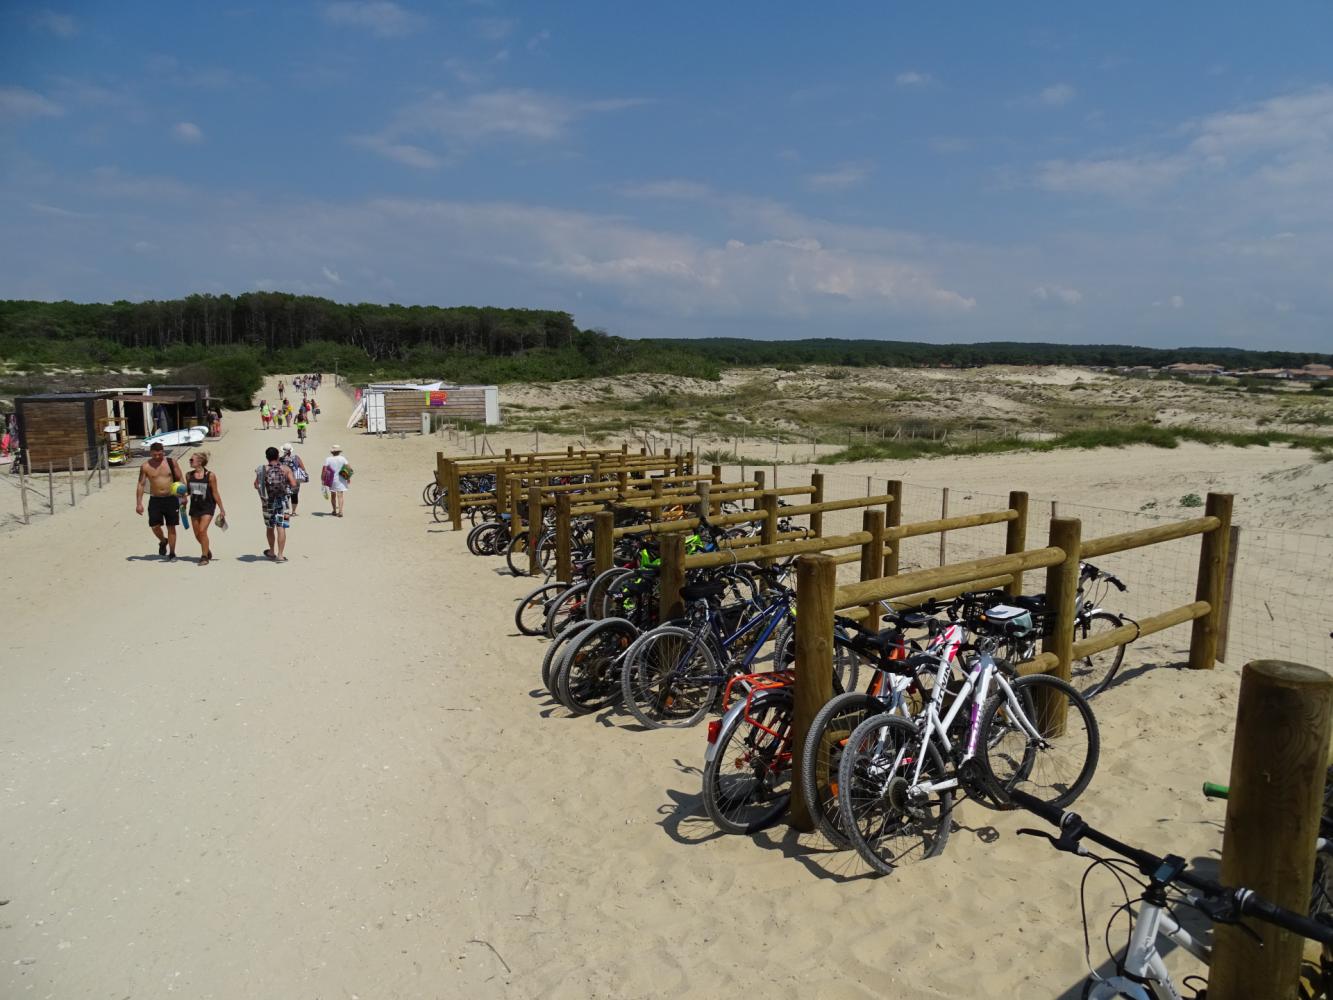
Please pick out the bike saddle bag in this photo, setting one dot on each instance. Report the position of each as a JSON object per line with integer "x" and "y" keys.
{"x": 708, "y": 590}
{"x": 1006, "y": 619}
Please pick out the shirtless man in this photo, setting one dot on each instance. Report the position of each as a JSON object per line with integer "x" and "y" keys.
{"x": 159, "y": 472}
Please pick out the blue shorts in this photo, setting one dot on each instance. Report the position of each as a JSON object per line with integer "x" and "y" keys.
{"x": 275, "y": 514}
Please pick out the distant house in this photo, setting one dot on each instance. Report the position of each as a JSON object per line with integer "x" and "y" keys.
{"x": 1313, "y": 373}
{"x": 1189, "y": 368}
{"x": 1269, "y": 373}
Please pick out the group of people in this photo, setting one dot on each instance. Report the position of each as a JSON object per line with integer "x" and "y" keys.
{"x": 197, "y": 496}
{"x": 274, "y": 416}
{"x": 302, "y": 383}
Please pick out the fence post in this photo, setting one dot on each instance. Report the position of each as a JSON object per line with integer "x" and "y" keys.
{"x": 453, "y": 494}
{"x": 1224, "y": 626}
{"x": 817, "y": 496}
{"x": 622, "y": 483}
{"x": 705, "y": 507}
{"x": 716, "y": 506}
{"x": 534, "y": 528}
{"x": 86, "y": 489}
{"x": 816, "y": 578}
{"x": 1273, "y": 810}
{"x": 893, "y": 517}
{"x": 50, "y": 487}
{"x": 564, "y": 569}
{"x": 758, "y": 477}
{"x": 671, "y": 575}
{"x": 872, "y": 560}
{"x": 23, "y": 489}
{"x": 515, "y": 509}
{"x": 769, "y": 528}
{"x": 603, "y": 540}
{"x": 1212, "y": 583}
{"x": 1016, "y": 536}
{"x": 1062, "y": 603}
{"x": 944, "y": 512}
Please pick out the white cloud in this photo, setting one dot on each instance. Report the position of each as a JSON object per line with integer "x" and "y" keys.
{"x": 1057, "y": 294}
{"x": 1057, "y": 95}
{"x": 460, "y": 122}
{"x": 846, "y": 176}
{"x": 19, "y": 102}
{"x": 61, "y": 25}
{"x": 331, "y": 275}
{"x": 1113, "y": 176}
{"x": 912, "y": 78}
{"x": 1177, "y": 302}
{"x": 381, "y": 17}
{"x": 188, "y": 132}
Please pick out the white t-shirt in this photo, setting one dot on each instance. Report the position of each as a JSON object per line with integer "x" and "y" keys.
{"x": 336, "y": 463}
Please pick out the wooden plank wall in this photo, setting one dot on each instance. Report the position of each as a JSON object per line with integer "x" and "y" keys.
{"x": 402, "y": 410}
{"x": 55, "y": 431}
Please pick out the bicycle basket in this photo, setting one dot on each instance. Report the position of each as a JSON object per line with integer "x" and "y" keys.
{"x": 1003, "y": 619}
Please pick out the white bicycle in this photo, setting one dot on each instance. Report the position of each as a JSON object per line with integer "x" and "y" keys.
{"x": 1140, "y": 972}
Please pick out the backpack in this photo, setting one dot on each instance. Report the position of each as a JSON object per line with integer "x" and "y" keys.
{"x": 272, "y": 481}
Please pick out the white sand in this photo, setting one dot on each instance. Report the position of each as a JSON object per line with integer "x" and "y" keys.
{"x": 338, "y": 778}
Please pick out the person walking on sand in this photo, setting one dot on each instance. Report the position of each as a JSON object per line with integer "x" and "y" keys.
{"x": 263, "y": 413}
{"x": 205, "y": 501}
{"x": 337, "y": 476}
{"x": 160, "y": 473}
{"x": 293, "y": 461}
{"x": 274, "y": 482}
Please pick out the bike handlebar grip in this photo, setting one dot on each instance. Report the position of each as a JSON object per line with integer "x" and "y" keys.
{"x": 1051, "y": 814}
{"x": 1254, "y": 905}
{"x": 1215, "y": 791}
{"x": 1119, "y": 586}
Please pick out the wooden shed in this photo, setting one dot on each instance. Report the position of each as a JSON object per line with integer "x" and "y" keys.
{"x": 60, "y": 428}
{"x": 395, "y": 408}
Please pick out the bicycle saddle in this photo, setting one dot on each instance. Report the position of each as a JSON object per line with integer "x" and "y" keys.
{"x": 708, "y": 590}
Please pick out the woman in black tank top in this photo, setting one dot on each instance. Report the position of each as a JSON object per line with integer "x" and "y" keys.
{"x": 205, "y": 501}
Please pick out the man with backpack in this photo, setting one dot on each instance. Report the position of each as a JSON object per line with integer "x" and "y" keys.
{"x": 160, "y": 473}
{"x": 275, "y": 483}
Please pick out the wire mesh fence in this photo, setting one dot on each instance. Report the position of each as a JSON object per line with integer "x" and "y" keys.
{"x": 1282, "y": 589}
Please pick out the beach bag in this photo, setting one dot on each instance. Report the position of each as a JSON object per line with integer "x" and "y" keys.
{"x": 259, "y": 475}
{"x": 345, "y": 473}
{"x": 326, "y": 478}
{"x": 301, "y": 475}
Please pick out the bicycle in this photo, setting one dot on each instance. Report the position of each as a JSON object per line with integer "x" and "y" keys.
{"x": 1141, "y": 974}
{"x": 895, "y": 792}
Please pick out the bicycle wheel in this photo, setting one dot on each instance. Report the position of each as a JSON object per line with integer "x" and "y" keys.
{"x": 1054, "y": 766}
{"x": 530, "y": 615}
{"x": 516, "y": 555}
{"x": 475, "y": 537}
{"x": 555, "y": 650}
{"x": 846, "y": 661}
{"x": 440, "y": 509}
{"x": 672, "y": 680}
{"x": 747, "y": 778}
{"x": 589, "y": 674}
{"x": 888, "y": 822}
{"x": 1093, "y": 674}
{"x": 824, "y": 744}
{"x": 598, "y": 606}
{"x": 566, "y": 608}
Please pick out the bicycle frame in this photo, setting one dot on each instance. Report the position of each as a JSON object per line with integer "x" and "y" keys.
{"x": 774, "y": 612}
{"x": 1143, "y": 973}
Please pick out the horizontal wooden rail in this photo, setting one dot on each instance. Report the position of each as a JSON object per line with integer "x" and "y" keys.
{"x": 748, "y": 540}
{"x": 1146, "y": 536}
{"x": 950, "y": 524}
{"x": 910, "y": 601}
{"x": 851, "y": 557}
{"x": 685, "y": 523}
{"x": 797, "y": 510}
{"x": 1126, "y": 633}
{"x": 706, "y": 560}
{"x": 890, "y": 587}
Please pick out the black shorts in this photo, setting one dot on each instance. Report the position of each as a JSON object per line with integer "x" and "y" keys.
{"x": 203, "y": 509}
{"x": 164, "y": 510}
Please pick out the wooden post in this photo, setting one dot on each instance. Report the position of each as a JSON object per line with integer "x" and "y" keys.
{"x": 680, "y": 465}
{"x": 603, "y": 540}
{"x": 509, "y": 455}
{"x": 569, "y": 449}
{"x": 1224, "y": 626}
{"x": 1062, "y": 602}
{"x": 596, "y": 465}
{"x": 86, "y": 489}
{"x": 944, "y": 512}
{"x": 71, "y": 480}
{"x": 23, "y": 490}
{"x": 1273, "y": 808}
{"x": 1016, "y": 536}
{"x": 453, "y": 494}
{"x": 893, "y": 516}
{"x": 622, "y": 480}
{"x": 817, "y": 496}
{"x": 716, "y": 506}
{"x": 816, "y": 579}
{"x": 1212, "y": 583}
{"x": 515, "y": 513}
{"x": 656, "y": 487}
{"x": 534, "y": 528}
{"x": 769, "y": 529}
{"x": 758, "y": 478}
{"x": 50, "y": 487}
{"x": 705, "y": 508}
{"x": 872, "y": 560}
{"x": 564, "y": 559}
{"x": 671, "y": 575}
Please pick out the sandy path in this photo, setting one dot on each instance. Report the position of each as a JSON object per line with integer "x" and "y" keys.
{"x": 335, "y": 778}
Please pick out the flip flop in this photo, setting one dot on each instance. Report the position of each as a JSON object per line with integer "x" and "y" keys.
{"x": 268, "y": 554}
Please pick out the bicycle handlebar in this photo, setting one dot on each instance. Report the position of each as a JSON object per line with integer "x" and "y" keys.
{"x": 1233, "y": 902}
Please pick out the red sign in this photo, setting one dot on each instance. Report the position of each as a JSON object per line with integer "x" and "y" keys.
{"x": 438, "y": 398}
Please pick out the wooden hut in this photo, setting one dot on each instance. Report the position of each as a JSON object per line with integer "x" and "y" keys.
{"x": 60, "y": 430}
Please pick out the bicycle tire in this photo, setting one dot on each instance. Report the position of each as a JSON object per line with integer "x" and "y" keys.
{"x": 1093, "y": 674}
{"x": 747, "y": 781}
{"x": 829, "y": 732}
{"x": 568, "y": 607}
{"x": 555, "y": 650}
{"x": 474, "y": 537}
{"x": 588, "y": 677}
{"x": 598, "y": 588}
{"x": 874, "y": 810}
{"x": 516, "y": 552}
{"x": 1011, "y": 759}
{"x": 658, "y": 692}
{"x": 846, "y": 661}
{"x": 440, "y": 510}
{"x": 533, "y": 605}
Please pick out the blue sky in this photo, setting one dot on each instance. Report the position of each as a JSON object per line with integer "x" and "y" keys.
{"x": 1153, "y": 174}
